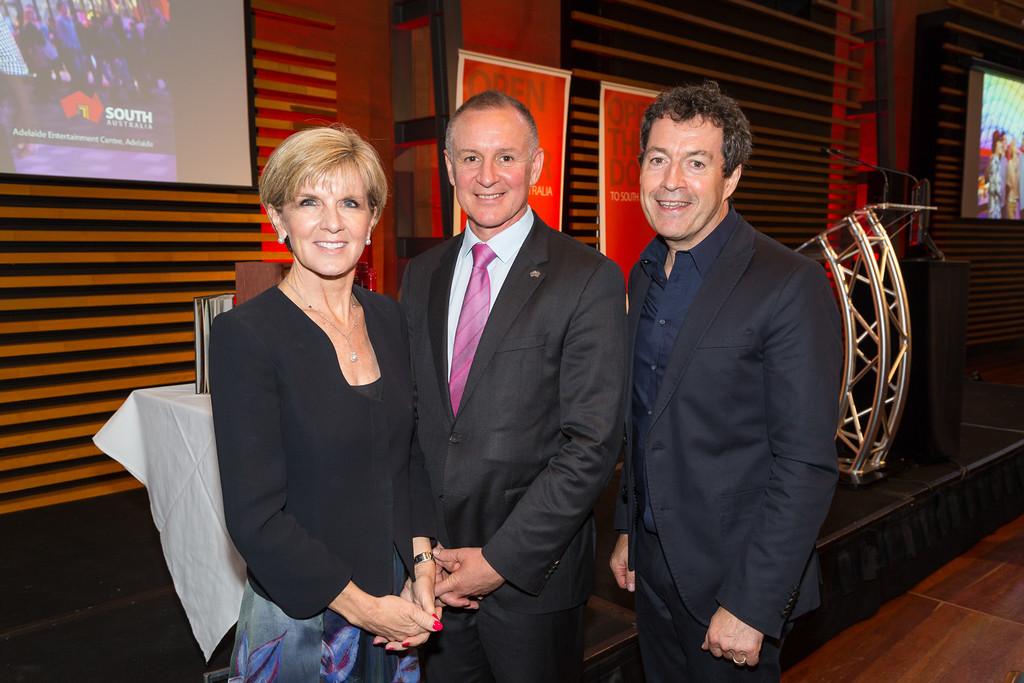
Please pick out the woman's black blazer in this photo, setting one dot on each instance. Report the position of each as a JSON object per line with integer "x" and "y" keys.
{"x": 319, "y": 484}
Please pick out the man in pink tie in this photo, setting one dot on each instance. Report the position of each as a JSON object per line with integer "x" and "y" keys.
{"x": 518, "y": 336}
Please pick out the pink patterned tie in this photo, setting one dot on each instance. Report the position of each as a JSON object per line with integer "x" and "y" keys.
{"x": 475, "y": 307}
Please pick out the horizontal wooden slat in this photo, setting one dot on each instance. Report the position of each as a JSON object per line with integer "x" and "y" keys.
{"x": 129, "y": 236}
{"x": 957, "y": 49}
{"x": 136, "y": 381}
{"x": 611, "y": 24}
{"x": 282, "y": 48}
{"x": 41, "y": 435}
{"x": 119, "y": 194}
{"x": 93, "y": 279}
{"x": 597, "y": 76}
{"x": 56, "y": 213}
{"x": 38, "y": 348}
{"x": 746, "y": 35}
{"x": 750, "y": 6}
{"x": 578, "y": 115}
{"x": 759, "y": 130}
{"x": 102, "y": 300}
{"x": 67, "y": 495}
{"x": 328, "y": 77}
{"x": 986, "y": 15}
{"x": 140, "y": 256}
{"x": 329, "y": 113}
{"x": 816, "y": 189}
{"x": 23, "y": 416}
{"x": 94, "y": 322}
{"x": 728, "y": 77}
{"x": 743, "y": 196}
{"x": 294, "y": 88}
{"x": 296, "y": 12}
{"x": 119, "y": 362}
{"x": 48, "y": 456}
{"x": 839, "y": 9}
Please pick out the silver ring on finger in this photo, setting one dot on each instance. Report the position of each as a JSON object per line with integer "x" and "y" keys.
{"x": 739, "y": 662}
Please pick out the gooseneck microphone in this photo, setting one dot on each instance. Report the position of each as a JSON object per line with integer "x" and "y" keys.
{"x": 919, "y": 233}
{"x": 884, "y": 170}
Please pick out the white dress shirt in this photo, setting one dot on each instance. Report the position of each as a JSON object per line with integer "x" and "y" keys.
{"x": 505, "y": 245}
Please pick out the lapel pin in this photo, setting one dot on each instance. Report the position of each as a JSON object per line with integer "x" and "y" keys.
{"x": 534, "y": 273}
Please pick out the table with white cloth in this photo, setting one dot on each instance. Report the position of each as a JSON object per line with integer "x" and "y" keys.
{"x": 164, "y": 437}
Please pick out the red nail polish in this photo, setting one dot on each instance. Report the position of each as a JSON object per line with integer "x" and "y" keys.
{"x": 405, "y": 644}
{"x": 438, "y": 625}
{"x": 388, "y": 647}
{"x": 436, "y": 618}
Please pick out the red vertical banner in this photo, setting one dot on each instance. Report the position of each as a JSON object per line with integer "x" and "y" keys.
{"x": 545, "y": 92}
{"x": 624, "y": 231}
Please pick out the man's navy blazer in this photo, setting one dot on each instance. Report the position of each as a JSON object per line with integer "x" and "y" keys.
{"x": 740, "y": 455}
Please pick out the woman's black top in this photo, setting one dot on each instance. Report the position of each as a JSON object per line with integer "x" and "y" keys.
{"x": 319, "y": 484}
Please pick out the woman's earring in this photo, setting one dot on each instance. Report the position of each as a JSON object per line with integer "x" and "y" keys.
{"x": 367, "y": 240}
{"x": 281, "y": 238}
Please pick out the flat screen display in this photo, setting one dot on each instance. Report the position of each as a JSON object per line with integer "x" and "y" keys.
{"x": 140, "y": 90}
{"x": 993, "y": 184}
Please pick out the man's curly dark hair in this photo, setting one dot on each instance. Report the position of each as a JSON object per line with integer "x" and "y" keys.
{"x": 705, "y": 102}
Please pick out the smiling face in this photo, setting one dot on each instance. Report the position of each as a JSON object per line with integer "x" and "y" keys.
{"x": 327, "y": 224}
{"x": 492, "y": 165}
{"x": 682, "y": 189}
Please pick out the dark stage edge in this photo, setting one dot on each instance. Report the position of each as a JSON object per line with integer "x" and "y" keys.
{"x": 85, "y": 594}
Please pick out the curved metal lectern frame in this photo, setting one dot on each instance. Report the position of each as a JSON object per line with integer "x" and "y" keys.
{"x": 876, "y": 345}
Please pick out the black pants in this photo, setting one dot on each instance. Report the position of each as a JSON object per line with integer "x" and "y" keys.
{"x": 670, "y": 636}
{"x": 495, "y": 645}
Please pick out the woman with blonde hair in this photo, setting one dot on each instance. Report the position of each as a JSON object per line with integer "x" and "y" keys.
{"x": 312, "y": 405}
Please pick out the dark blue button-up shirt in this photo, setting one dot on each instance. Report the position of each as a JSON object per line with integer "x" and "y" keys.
{"x": 664, "y": 309}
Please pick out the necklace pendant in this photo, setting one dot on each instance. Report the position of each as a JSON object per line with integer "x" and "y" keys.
{"x": 353, "y": 356}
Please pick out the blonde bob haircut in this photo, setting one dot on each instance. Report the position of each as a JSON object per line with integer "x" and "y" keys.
{"x": 309, "y": 156}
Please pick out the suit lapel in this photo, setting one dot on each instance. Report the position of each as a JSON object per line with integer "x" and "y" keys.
{"x": 437, "y": 317}
{"x": 719, "y": 284}
{"x": 523, "y": 278}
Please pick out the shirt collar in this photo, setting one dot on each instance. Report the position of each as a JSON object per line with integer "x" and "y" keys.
{"x": 704, "y": 254}
{"x": 505, "y": 244}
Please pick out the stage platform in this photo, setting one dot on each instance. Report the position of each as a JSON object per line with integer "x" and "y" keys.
{"x": 87, "y": 597}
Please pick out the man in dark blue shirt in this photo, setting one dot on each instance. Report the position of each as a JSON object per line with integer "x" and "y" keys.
{"x": 733, "y": 407}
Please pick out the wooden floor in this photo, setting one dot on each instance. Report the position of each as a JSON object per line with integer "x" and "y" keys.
{"x": 1005, "y": 366}
{"x": 963, "y": 624}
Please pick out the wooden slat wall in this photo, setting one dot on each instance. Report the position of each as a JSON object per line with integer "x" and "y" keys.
{"x": 790, "y": 75}
{"x": 98, "y": 281}
{"x": 989, "y": 30}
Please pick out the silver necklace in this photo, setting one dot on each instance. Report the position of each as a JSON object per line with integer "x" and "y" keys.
{"x": 352, "y": 355}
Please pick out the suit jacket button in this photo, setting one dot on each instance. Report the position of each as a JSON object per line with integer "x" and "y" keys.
{"x": 455, "y": 437}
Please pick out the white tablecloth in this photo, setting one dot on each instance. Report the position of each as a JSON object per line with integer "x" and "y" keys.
{"x": 164, "y": 437}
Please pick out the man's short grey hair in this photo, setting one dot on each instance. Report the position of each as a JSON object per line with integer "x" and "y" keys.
{"x": 491, "y": 99}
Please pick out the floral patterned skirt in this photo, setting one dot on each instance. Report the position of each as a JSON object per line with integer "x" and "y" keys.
{"x": 271, "y": 647}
